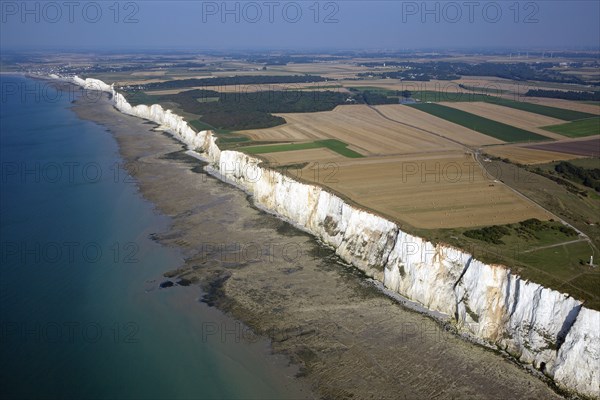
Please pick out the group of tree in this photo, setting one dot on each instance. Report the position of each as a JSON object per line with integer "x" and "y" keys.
{"x": 586, "y": 177}
{"x": 490, "y": 234}
{"x": 560, "y": 94}
{"x": 241, "y": 110}
{"x": 527, "y": 229}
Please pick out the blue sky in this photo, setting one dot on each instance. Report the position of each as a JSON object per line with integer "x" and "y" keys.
{"x": 299, "y": 25}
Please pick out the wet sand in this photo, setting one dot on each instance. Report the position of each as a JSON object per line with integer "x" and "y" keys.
{"x": 347, "y": 338}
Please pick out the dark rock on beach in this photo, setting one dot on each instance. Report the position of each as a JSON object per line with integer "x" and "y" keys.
{"x": 166, "y": 284}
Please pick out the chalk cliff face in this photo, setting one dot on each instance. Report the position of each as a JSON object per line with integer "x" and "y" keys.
{"x": 538, "y": 326}
{"x": 577, "y": 367}
{"x": 88, "y": 83}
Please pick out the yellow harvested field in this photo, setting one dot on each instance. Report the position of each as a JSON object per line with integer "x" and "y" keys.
{"x": 363, "y": 128}
{"x": 567, "y": 104}
{"x": 510, "y": 116}
{"x": 523, "y": 155}
{"x": 490, "y": 85}
{"x": 409, "y": 174}
{"x": 430, "y": 191}
{"x": 423, "y": 120}
{"x": 136, "y": 82}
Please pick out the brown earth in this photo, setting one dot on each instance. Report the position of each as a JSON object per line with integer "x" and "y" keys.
{"x": 586, "y": 148}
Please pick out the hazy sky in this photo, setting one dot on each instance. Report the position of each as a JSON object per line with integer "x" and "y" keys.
{"x": 298, "y": 25}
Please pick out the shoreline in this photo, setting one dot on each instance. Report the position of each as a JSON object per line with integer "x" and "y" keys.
{"x": 395, "y": 304}
{"x": 258, "y": 348}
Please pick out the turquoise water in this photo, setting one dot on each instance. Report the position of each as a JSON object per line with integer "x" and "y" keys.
{"x": 77, "y": 316}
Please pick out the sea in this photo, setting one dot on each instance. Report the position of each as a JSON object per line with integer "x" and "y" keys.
{"x": 82, "y": 314}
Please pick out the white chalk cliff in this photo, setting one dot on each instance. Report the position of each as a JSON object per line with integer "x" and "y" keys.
{"x": 538, "y": 326}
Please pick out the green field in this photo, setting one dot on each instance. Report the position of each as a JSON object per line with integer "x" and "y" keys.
{"x": 207, "y": 99}
{"x": 486, "y": 126}
{"x": 488, "y": 89}
{"x": 589, "y": 163}
{"x": 139, "y": 97}
{"x": 200, "y": 126}
{"x": 554, "y": 112}
{"x": 582, "y": 127}
{"x": 452, "y": 96}
{"x": 233, "y": 139}
{"x": 565, "y": 268}
{"x": 332, "y": 144}
{"x": 561, "y": 261}
{"x": 377, "y": 89}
